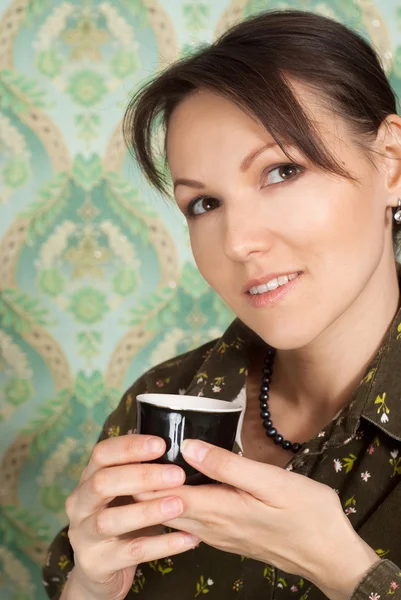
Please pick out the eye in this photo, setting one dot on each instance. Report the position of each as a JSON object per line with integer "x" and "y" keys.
{"x": 203, "y": 204}
{"x": 284, "y": 173}
{"x": 200, "y": 205}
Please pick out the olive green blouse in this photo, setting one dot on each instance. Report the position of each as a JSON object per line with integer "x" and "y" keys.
{"x": 358, "y": 454}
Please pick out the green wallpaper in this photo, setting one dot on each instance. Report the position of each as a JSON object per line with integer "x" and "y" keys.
{"x": 97, "y": 282}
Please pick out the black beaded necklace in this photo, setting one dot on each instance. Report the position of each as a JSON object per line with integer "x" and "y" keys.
{"x": 271, "y": 431}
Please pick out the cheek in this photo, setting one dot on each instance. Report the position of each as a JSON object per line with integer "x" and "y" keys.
{"x": 341, "y": 244}
{"x": 341, "y": 221}
{"x": 204, "y": 245}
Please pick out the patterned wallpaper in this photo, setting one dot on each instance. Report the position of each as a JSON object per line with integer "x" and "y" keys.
{"x": 97, "y": 282}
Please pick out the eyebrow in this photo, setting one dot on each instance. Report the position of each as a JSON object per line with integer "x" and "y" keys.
{"x": 245, "y": 164}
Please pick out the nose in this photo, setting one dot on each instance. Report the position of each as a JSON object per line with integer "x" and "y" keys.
{"x": 245, "y": 232}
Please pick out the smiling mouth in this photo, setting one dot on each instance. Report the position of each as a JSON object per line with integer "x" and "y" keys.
{"x": 273, "y": 284}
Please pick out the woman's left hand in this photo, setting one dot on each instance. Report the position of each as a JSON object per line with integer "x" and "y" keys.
{"x": 271, "y": 515}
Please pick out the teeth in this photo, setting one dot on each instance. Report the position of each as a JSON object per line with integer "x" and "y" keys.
{"x": 273, "y": 284}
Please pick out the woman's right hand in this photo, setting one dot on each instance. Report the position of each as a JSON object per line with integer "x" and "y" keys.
{"x": 110, "y": 541}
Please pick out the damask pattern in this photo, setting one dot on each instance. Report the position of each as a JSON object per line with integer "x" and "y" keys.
{"x": 97, "y": 282}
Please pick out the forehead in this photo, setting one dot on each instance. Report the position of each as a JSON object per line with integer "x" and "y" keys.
{"x": 206, "y": 120}
{"x": 205, "y": 125}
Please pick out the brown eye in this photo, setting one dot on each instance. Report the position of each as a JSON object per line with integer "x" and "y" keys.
{"x": 282, "y": 173}
{"x": 201, "y": 205}
{"x": 287, "y": 171}
{"x": 207, "y": 203}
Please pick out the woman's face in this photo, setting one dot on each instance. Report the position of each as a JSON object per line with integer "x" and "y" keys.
{"x": 259, "y": 218}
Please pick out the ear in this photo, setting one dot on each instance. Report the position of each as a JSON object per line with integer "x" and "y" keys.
{"x": 388, "y": 144}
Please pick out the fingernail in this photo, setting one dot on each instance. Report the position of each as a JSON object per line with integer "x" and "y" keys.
{"x": 191, "y": 540}
{"x": 172, "y": 474}
{"x": 153, "y": 445}
{"x": 172, "y": 506}
{"x": 194, "y": 449}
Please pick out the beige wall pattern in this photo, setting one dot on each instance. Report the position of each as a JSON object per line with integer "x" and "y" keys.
{"x": 97, "y": 282}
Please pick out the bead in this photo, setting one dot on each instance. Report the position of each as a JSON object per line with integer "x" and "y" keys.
{"x": 271, "y": 431}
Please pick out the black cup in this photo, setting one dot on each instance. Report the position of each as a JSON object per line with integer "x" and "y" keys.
{"x": 176, "y": 417}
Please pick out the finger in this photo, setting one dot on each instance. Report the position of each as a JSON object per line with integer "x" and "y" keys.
{"x": 200, "y": 503}
{"x": 117, "y": 521}
{"x": 266, "y": 482}
{"x": 188, "y": 525}
{"x": 145, "y": 549}
{"x": 106, "y": 484}
{"x": 153, "y": 495}
{"x": 187, "y": 493}
{"x": 123, "y": 450}
{"x": 108, "y": 557}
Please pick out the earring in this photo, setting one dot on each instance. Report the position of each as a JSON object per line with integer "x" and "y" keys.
{"x": 397, "y": 215}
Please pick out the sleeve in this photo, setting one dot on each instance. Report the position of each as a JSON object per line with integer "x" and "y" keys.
{"x": 383, "y": 579}
{"x": 60, "y": 557}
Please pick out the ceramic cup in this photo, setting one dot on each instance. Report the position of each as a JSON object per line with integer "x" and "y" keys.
{"x": 175, "y": 417}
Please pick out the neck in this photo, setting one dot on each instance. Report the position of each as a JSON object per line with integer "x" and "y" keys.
{"x": 319, "y": 378}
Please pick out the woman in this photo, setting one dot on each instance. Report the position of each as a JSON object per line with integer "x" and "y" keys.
{"x": 282, "y": 140}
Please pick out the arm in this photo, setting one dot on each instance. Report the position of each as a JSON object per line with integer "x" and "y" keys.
{"x": 349, "y": 565}
{"x": 72, "y": 590}
{"x": 380, "y": 580}
{"x": 359, "y": 574}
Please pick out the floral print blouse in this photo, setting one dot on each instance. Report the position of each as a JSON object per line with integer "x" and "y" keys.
{"x": 358, "y": 454}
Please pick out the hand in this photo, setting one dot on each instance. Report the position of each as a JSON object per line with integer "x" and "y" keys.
{"x": 271, "y": 515}
{"x": 110, "y": 539}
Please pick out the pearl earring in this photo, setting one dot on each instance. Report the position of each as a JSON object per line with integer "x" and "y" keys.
{"x": 397, "y": 215}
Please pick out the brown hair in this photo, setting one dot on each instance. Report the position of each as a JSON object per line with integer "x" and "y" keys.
{"x": 251, "y": 64}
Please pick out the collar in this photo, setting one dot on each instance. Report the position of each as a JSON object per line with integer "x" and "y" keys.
{"x": 223, "y": 372}
{"x": 382, "y": 384}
